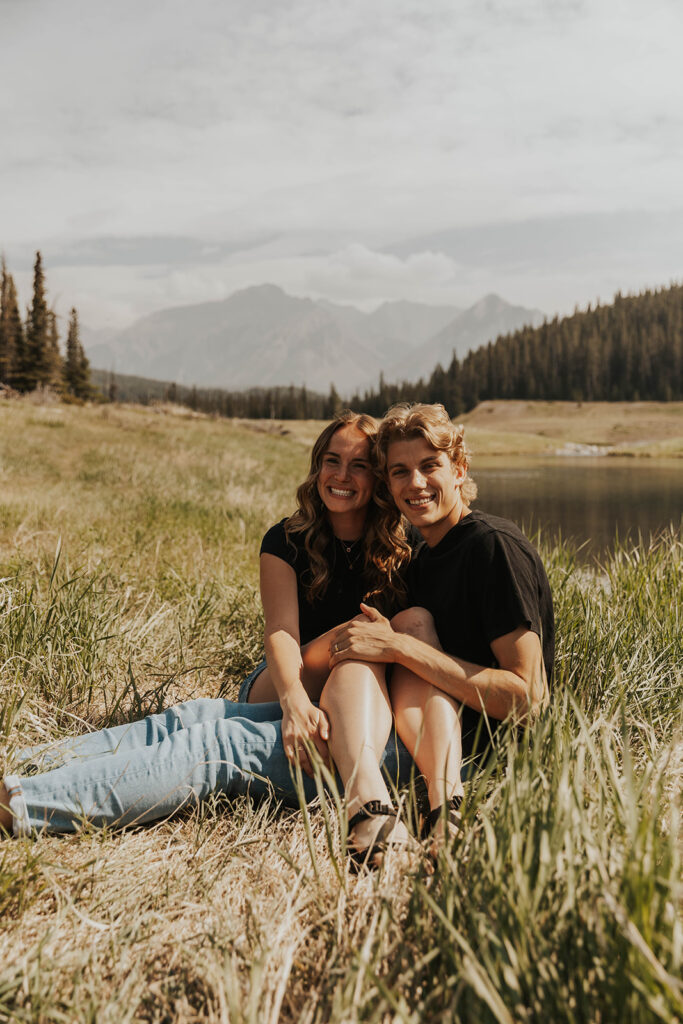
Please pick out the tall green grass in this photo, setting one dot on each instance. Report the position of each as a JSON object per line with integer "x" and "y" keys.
{"x": 562, "y": 900}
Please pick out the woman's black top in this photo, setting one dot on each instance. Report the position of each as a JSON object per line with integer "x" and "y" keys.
{"x": 345, "y": 589}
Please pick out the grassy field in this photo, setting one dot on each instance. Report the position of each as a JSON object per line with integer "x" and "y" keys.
{"x": 128, "y": 551}
{"x": 644, "y": 429}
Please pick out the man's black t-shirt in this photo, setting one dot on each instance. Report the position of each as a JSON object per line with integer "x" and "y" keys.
{"x": 482, "y": 580}
{"x": 345, "y": 590}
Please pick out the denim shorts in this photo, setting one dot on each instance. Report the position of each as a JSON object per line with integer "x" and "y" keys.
{"x": 246, "y": 685}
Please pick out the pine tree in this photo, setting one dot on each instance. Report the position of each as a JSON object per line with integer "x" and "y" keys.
{"x": 76, "y": 365}
{"x": 37, "y": 363}
{"x": 11, "y": 332}
{"x": 333, "y": 405}
{"x": 6, "y": 339}
{"x": 54, "y": 355}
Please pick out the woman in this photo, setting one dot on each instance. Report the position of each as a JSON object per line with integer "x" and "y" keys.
{"x": 341, "y": 546}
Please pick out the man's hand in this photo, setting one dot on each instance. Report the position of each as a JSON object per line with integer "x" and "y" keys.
{"x": 301, "y": 722}
{"x": 366, "y": 638}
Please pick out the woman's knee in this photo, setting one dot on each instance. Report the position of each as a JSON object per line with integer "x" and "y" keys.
{"x": 350, "y": 680}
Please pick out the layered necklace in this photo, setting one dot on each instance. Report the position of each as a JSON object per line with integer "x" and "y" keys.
{"x": 351, "y": 549}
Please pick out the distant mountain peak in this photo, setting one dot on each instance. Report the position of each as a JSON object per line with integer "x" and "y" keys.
{"x": 488, "y": 318}
{"x": 261, "y": 335}
{"x": 490, "y": 300}
{"x": 260, "y": 289}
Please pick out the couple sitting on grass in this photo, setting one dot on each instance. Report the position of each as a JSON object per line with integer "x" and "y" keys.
{"x": 440, "y": 633}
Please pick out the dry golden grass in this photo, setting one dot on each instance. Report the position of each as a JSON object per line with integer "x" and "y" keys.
{"x": 562, "y": 902}
{"x": 534, "y": 428}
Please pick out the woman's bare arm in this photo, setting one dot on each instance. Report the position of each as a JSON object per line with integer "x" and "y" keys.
{"x": 300, "y": 719}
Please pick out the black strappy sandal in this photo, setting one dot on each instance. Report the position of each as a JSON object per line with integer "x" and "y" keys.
{"x": 365, "y": 858}
{"x": 450, "y": 810}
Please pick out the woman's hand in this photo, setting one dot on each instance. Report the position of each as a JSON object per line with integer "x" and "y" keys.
{"x": 301, "y": 722}
{"x": 369, "y": 637}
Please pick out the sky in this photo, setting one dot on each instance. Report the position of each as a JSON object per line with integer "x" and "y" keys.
{"x": 166, "y": 153}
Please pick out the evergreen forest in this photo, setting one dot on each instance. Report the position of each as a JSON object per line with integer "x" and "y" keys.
{"x": 628, "y": 351}
{"x": 30, "y": 354}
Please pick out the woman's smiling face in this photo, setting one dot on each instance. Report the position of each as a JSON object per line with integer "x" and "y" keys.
{"x": 345, "y": 479}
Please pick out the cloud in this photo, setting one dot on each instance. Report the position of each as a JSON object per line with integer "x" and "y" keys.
{"x": 139, "y": 134}
{"x": 361, "y": 276}
{"x": 551, "y": 264}
{"x": 158, "y": 117}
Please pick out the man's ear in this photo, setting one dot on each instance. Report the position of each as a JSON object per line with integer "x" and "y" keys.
{"x": 459, "y": 472}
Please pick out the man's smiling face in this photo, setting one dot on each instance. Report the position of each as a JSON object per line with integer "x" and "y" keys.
{"x": 425, "y": 484}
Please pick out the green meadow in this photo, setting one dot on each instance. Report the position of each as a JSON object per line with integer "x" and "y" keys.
{"x": 128, "y": 581}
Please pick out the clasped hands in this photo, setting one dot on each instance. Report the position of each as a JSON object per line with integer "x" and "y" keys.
{"x": 368, "y": 637}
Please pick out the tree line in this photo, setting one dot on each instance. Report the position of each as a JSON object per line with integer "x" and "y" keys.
{"x": 281, "y": 403}
{"x": 30, "y": 354}
{"x": 628, "y": 351}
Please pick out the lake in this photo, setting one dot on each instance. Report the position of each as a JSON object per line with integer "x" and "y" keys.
{"x": 590, "y": 500}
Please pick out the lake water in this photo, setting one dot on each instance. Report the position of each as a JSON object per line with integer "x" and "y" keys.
{"x": 589, "y": 500}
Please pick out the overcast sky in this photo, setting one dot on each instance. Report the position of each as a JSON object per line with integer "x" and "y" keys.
{"x": 163, "y": 153}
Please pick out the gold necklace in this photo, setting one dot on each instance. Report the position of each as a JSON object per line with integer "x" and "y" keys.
{"x": 350, "y": 556}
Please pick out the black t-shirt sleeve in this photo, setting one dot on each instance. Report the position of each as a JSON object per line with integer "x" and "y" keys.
{"x": 506, "y": 587}
{"x": 275, "y": 543}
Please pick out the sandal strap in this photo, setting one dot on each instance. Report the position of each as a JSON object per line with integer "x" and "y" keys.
{"x": 450, "y": 809}
{"x": 365, "y": 858}
{"x": 369, "y": 810}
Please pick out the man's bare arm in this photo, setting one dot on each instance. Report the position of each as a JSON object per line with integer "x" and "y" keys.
{"x": 518, "y": 684}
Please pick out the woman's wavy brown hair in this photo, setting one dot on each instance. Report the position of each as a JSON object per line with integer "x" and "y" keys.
{"x": 385, "y": 548}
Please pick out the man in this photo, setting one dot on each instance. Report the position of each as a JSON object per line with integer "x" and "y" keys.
{"x": 476, "y": 647}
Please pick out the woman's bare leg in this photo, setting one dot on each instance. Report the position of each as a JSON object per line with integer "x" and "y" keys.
{"x": 356, "y": 702}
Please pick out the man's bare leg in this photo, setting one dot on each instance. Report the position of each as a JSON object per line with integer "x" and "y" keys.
{"x": 427, "y": 720}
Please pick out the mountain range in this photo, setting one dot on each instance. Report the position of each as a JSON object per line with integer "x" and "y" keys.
{"x": 261, "y": 336}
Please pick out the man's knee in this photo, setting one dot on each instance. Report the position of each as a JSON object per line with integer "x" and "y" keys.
{"x": 415, "y": 622}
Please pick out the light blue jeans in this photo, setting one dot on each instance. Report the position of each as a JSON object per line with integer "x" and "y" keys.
{"x": 137, "y": 773}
